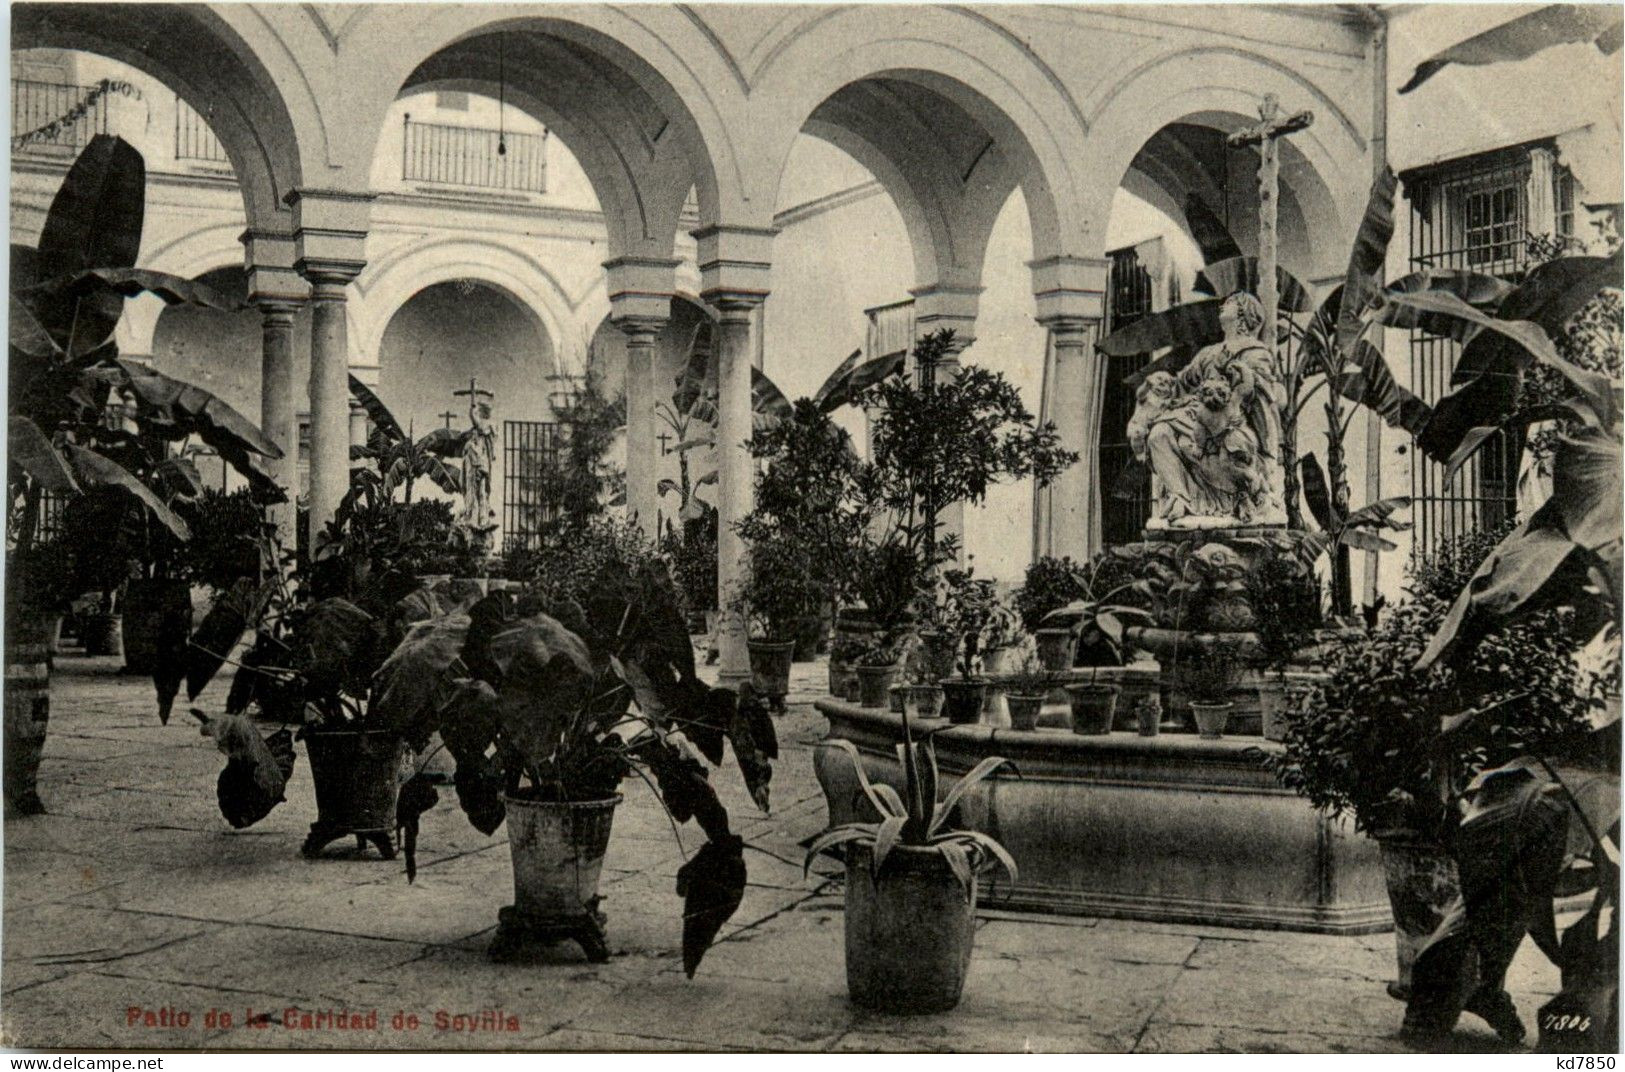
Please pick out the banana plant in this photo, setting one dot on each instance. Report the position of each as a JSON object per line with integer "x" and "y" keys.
{"x": 400, "y": 457}
{"x": 65, "y": 370}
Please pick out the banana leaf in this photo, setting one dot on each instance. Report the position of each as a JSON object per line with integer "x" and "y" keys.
{"x": 29, "y": 448}
{"x": 378, "y": 413}
{"x": 1524, "y": 36}
{"x": 1193, "y": 325}
{"x": 95, "y": 470}
{"x": 95, "y": 220}
{"x": 1368, "y": 381}
{"x": 184, "y": 410}
{"x": 1317, "y": 493}
{"x": 1360, "y": 284}
{"x": 1224, "y": 278}
{"x": 1212, "y": 237}
{"x": 28, "y": 334}
{"x": 694, "y": 394}
{"x": 852, "y": 378}
{"x": 130, "y": 283}
{"x": 1485, "y": 292}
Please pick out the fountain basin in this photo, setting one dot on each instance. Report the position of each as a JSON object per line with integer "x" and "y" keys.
{"x": 1169, "y": 828}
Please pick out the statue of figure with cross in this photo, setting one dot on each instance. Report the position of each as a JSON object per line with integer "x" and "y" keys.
{"x": 479, "y": 456}
{"x": 1212, "y": 432}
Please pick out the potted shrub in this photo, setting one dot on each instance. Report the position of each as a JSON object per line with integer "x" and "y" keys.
{"x": 1206, "y": 672}
{"x": 845, "y": 650}
{"x": 546, "y": 717}
{"x": 778, "y": 594}
{"x": 924, "y": 667}
{"x": 1026, "y": 688}
{"x": 1369, "y": 741}
{"x": 965, "y": 607}
{"x": 1285, "y": 600}
{"x": 876, "y": 669}
{"x": 911, "y": 886}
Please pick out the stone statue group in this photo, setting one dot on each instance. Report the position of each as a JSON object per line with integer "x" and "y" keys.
{"x": 1211, "y": 433}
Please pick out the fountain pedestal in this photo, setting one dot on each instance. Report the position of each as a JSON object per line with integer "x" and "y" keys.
{"x": 1169, "y": 828}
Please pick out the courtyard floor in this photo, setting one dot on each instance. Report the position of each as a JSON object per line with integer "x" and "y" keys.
{"x": 132, "y": 903}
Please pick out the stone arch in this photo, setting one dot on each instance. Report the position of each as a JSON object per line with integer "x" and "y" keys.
{"x": 199, "y": 56}
{"x": 392, "y": 280}
{"x": 953, "y": 62}
{"x": 637, "y": 85}
{"x": 1325, "y": 169}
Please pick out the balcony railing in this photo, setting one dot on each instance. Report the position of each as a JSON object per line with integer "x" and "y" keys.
{"x": 194, "y": 141}
{"x": 468, "y": 156}
{"x": 34, "y": 104}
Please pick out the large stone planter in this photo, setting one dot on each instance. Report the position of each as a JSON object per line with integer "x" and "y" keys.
{"x": 1169, "y": 828}
{"x": 909, "y": 930}
{"x": 1421, "y": 881}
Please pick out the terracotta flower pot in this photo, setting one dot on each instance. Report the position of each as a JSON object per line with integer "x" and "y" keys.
{"x": 1093, "y": 707}
{"x": 963, "y": 699}
{"x": 1148, "y": 716}
{"x": 1056, "y": 649}
{"x": 909, "y": 931}
{"x": 1211, "y": 718}
{"x": 102, "y": 634}
{"x": 1024, "y": 711}
{"x": 874, "y": 685}
{"x": 926, "y": 700}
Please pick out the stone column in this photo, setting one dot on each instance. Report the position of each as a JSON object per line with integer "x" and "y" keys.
{"x": 1076, "y": 498}
{"x": 640, "y": 290}
{"x": 734, "y": 263}
{"x": 736, "y": 491}
{"x": 329, "y": 395}
{"x": 280, "y": 293}
{"x": 278, "y": 418}
{"x": 330, "y": 233}
{"x": 1070, "y": 292}
{"x": 642, "y": 453}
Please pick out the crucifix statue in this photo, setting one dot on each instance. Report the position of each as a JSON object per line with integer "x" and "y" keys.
{"x": 448, "y": 417}
{"x": 1271, "y": 128}
{"x": 479, "y": 454}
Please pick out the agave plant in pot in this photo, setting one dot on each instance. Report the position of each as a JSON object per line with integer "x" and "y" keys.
{"x": 547, "y": 714}
{"x": 911, "y": 884}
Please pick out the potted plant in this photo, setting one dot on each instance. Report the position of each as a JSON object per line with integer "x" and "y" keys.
{"x": 924, "y": 667}
{"x": 1094, "y": 702}
{"x": 965, "y": 607}
{"x": 1370, "y": 741}
{"x": 1206, "y": 671}
{"x": 911, "y": 885}
{"x": 1285, "y": 600}
{"x": 778, "y": 594}
{"x": 546, "y": 715}
{"x": 876, "y": 669}
{"x": 1026, "y": 689}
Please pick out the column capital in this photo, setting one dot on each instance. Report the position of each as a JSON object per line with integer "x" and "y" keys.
{"x": 330, "y": 233}
{"x": 1070, "y": 286}
{"x": 329, "y": 273}
{"x": 735, "y": 261}
{"x": 639, "y": 330}
{"x": 640, "y": 288}
{"x": 278, "y": 310}
{"x": 948, "y": 305}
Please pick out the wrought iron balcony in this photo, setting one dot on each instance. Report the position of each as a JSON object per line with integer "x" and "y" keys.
{"x": 35, "y": 104}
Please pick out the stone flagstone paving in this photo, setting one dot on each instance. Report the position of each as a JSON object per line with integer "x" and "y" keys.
{"x": 134, "y": 901}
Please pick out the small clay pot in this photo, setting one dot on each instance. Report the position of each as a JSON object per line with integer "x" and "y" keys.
{"x": 1211, "y": 718}
{"x": 1024, "y": 711}
{"x": 963, "y": 699}
{"x": 1093, "y": 707}
{"x": 874, "y": 684}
